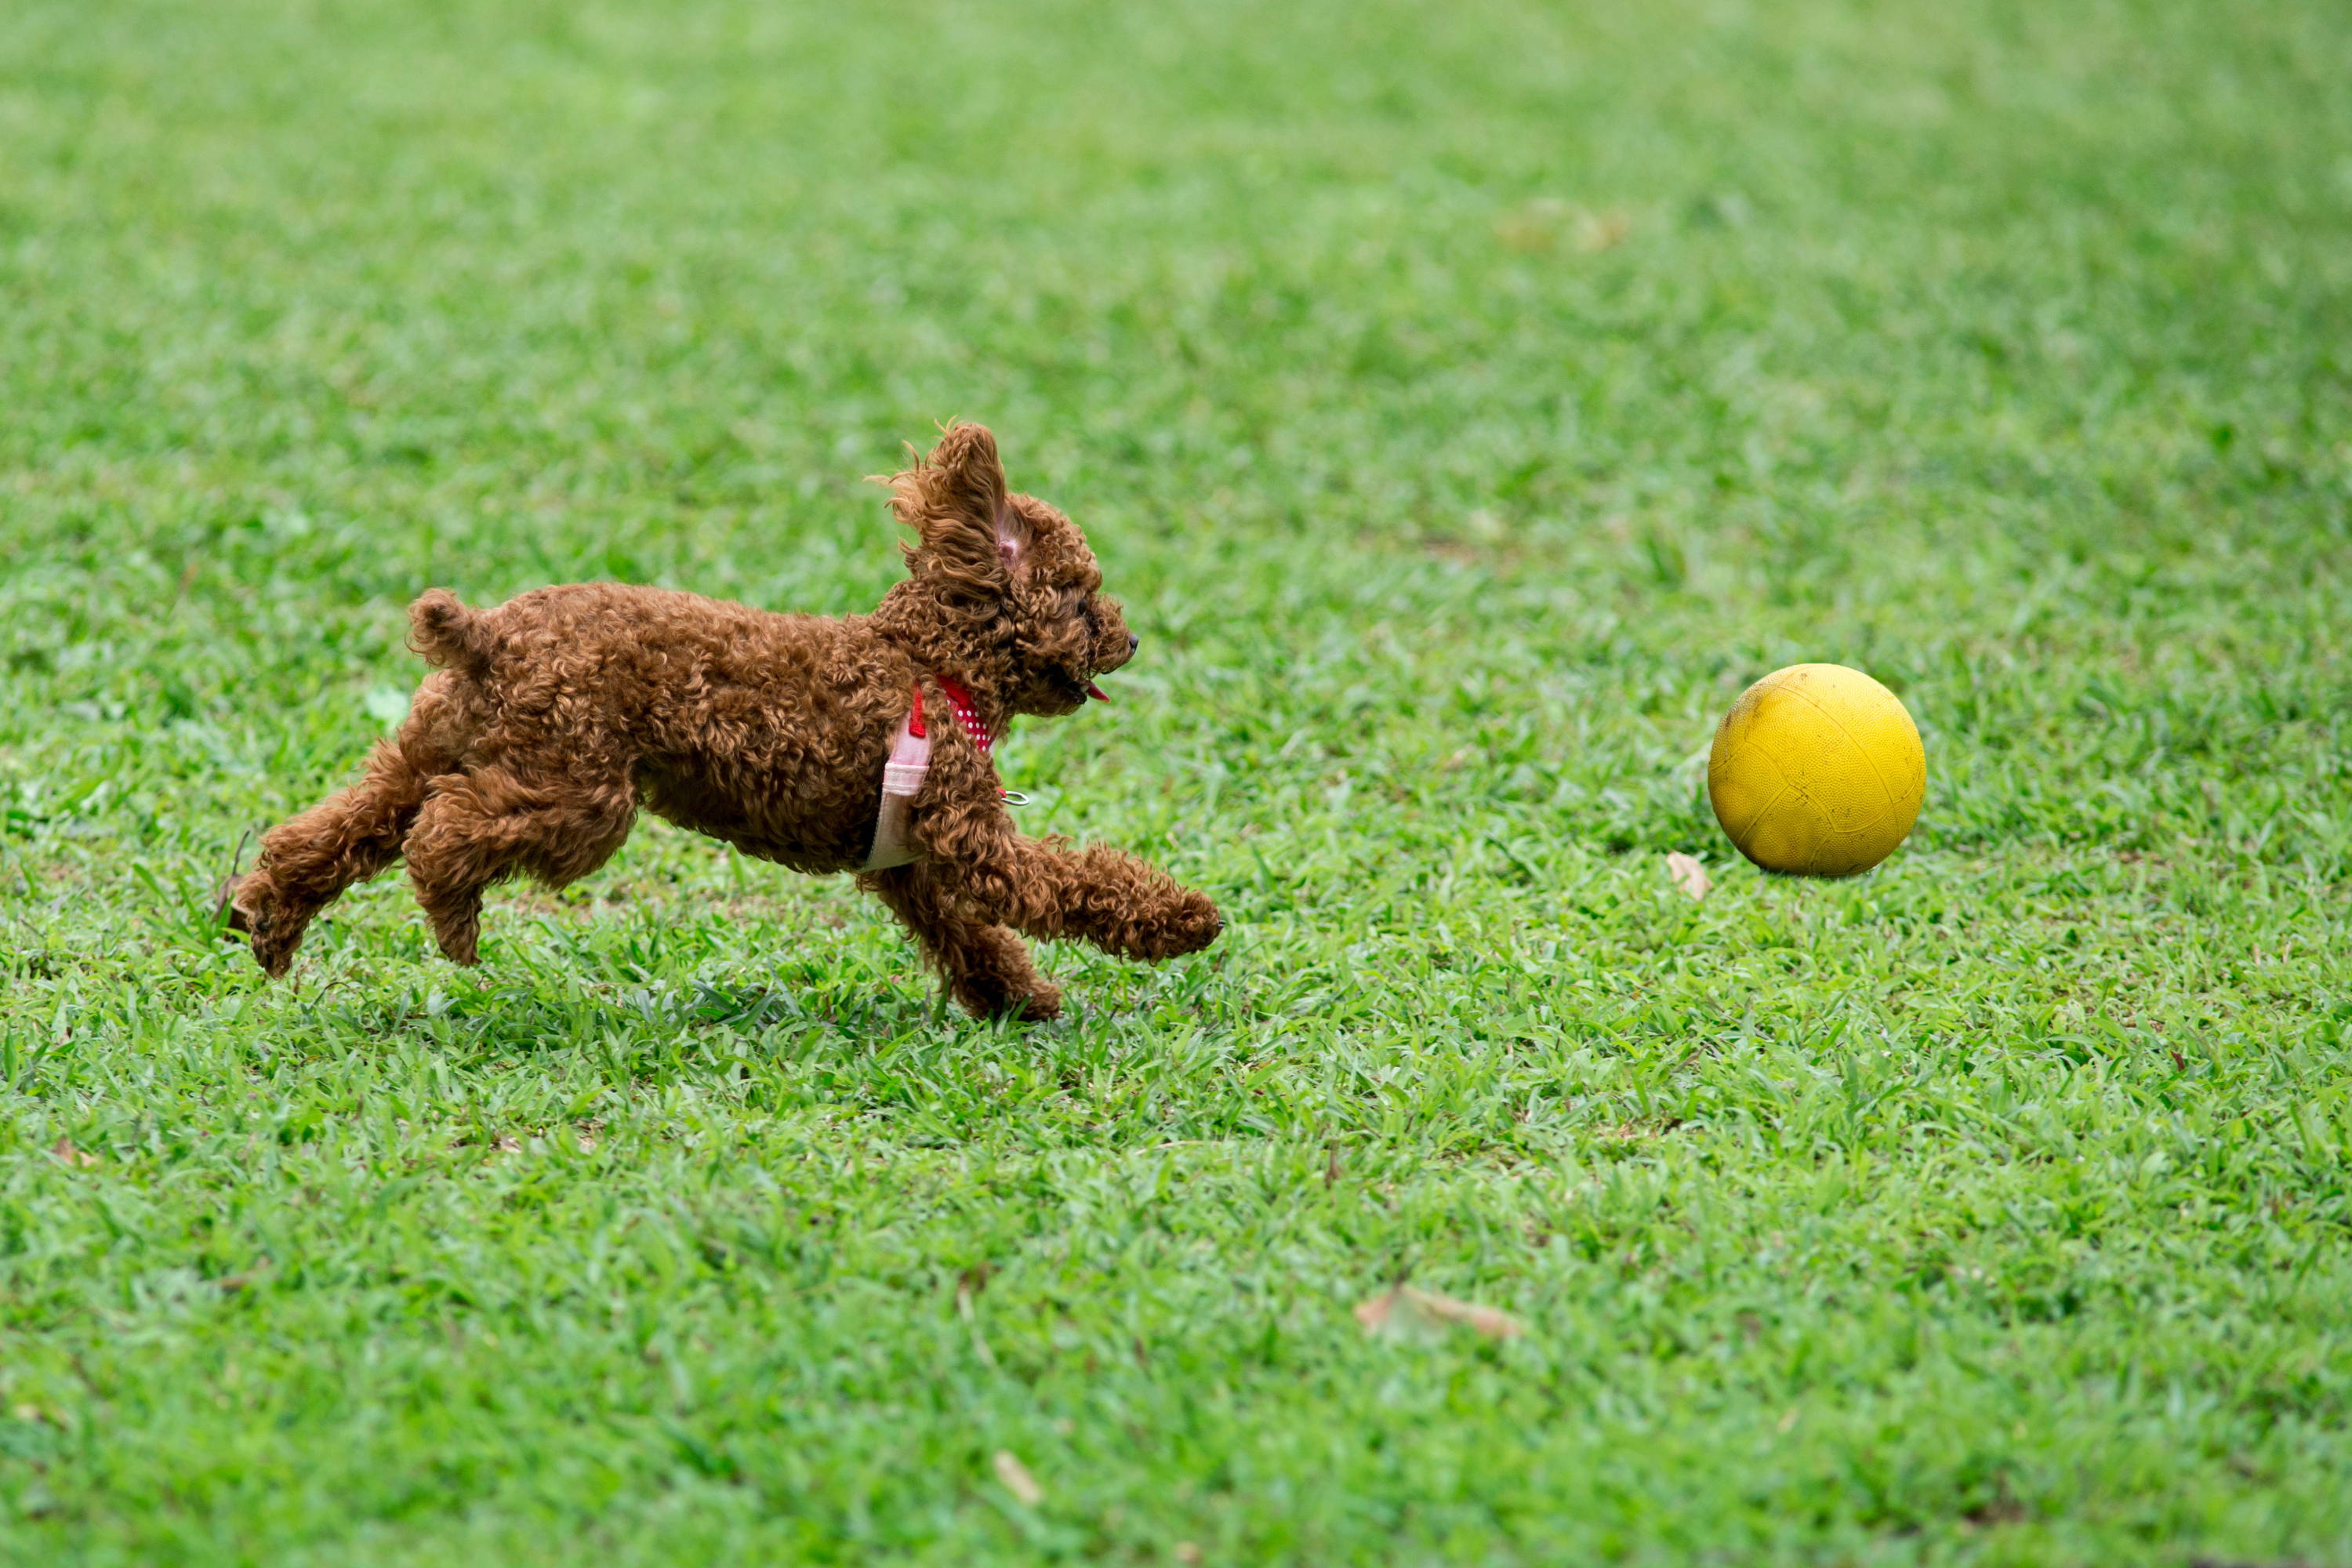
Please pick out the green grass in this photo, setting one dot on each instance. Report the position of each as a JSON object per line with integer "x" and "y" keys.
{"x": 1467, "y": 400}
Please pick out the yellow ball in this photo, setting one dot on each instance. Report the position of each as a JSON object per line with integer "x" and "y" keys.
{"x": 1817, "y": 771}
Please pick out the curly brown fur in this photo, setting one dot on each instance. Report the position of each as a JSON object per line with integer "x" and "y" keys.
{"x": 553, "y": 718}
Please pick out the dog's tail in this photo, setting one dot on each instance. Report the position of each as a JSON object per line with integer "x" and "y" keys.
{"x": 448, "y": 634}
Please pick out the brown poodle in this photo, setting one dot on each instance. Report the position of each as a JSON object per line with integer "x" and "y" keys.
{"x": 853, "y": 744}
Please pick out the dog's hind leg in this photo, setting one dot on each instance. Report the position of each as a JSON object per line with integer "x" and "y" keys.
{"x": 481, "y": 826}
{"x": 986, "y": 967}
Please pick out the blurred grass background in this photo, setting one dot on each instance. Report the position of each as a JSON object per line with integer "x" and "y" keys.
{"x": 1467, "y": 403}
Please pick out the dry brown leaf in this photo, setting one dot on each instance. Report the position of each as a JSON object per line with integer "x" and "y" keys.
{"x": 1491, "y": 1321}
{"x": 1688, "y": 875}
{"x": 1602, "y": 230}
{"x": 66, "y": 1154}
{"x": 1534, "y": 226}
{"x": 1543, "y": 224}
{"x": 508, "y": 1143}
{"x": 1187, "y": 1553}
{"x": 1409, "y": 1309}
{"x": 1017, "y": 1479}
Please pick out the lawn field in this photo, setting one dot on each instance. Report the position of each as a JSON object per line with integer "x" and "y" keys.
{"x": 1467, "y": 401}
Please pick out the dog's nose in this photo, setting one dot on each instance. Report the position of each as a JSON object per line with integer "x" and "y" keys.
{"x": 1133, "y": 642}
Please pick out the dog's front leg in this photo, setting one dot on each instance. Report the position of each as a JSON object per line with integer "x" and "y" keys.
{"x": 1047, "y": 887}
{"x": 986, "y": 967}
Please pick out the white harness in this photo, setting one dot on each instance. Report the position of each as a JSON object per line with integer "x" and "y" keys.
{"x": 910, "y": 759}
{"x": 902, "y": 776}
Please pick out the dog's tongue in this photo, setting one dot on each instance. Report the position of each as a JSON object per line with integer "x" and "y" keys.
{"x": 1096, "y": 693}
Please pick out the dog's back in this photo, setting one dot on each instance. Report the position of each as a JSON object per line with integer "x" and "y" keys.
{"x": 768, "y": 730}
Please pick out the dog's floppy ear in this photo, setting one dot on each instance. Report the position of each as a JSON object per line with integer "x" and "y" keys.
{"x": 956, "y": 501}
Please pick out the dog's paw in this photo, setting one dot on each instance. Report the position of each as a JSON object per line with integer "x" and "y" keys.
{"x": 1041, "y": 1003}
{"x": 273, "y": 947}
{"x": 246, "y": 914}
{"x": 1190, "y": 924}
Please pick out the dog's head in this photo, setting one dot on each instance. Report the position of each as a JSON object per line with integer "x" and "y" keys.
{"x": 1002, "y": 584}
